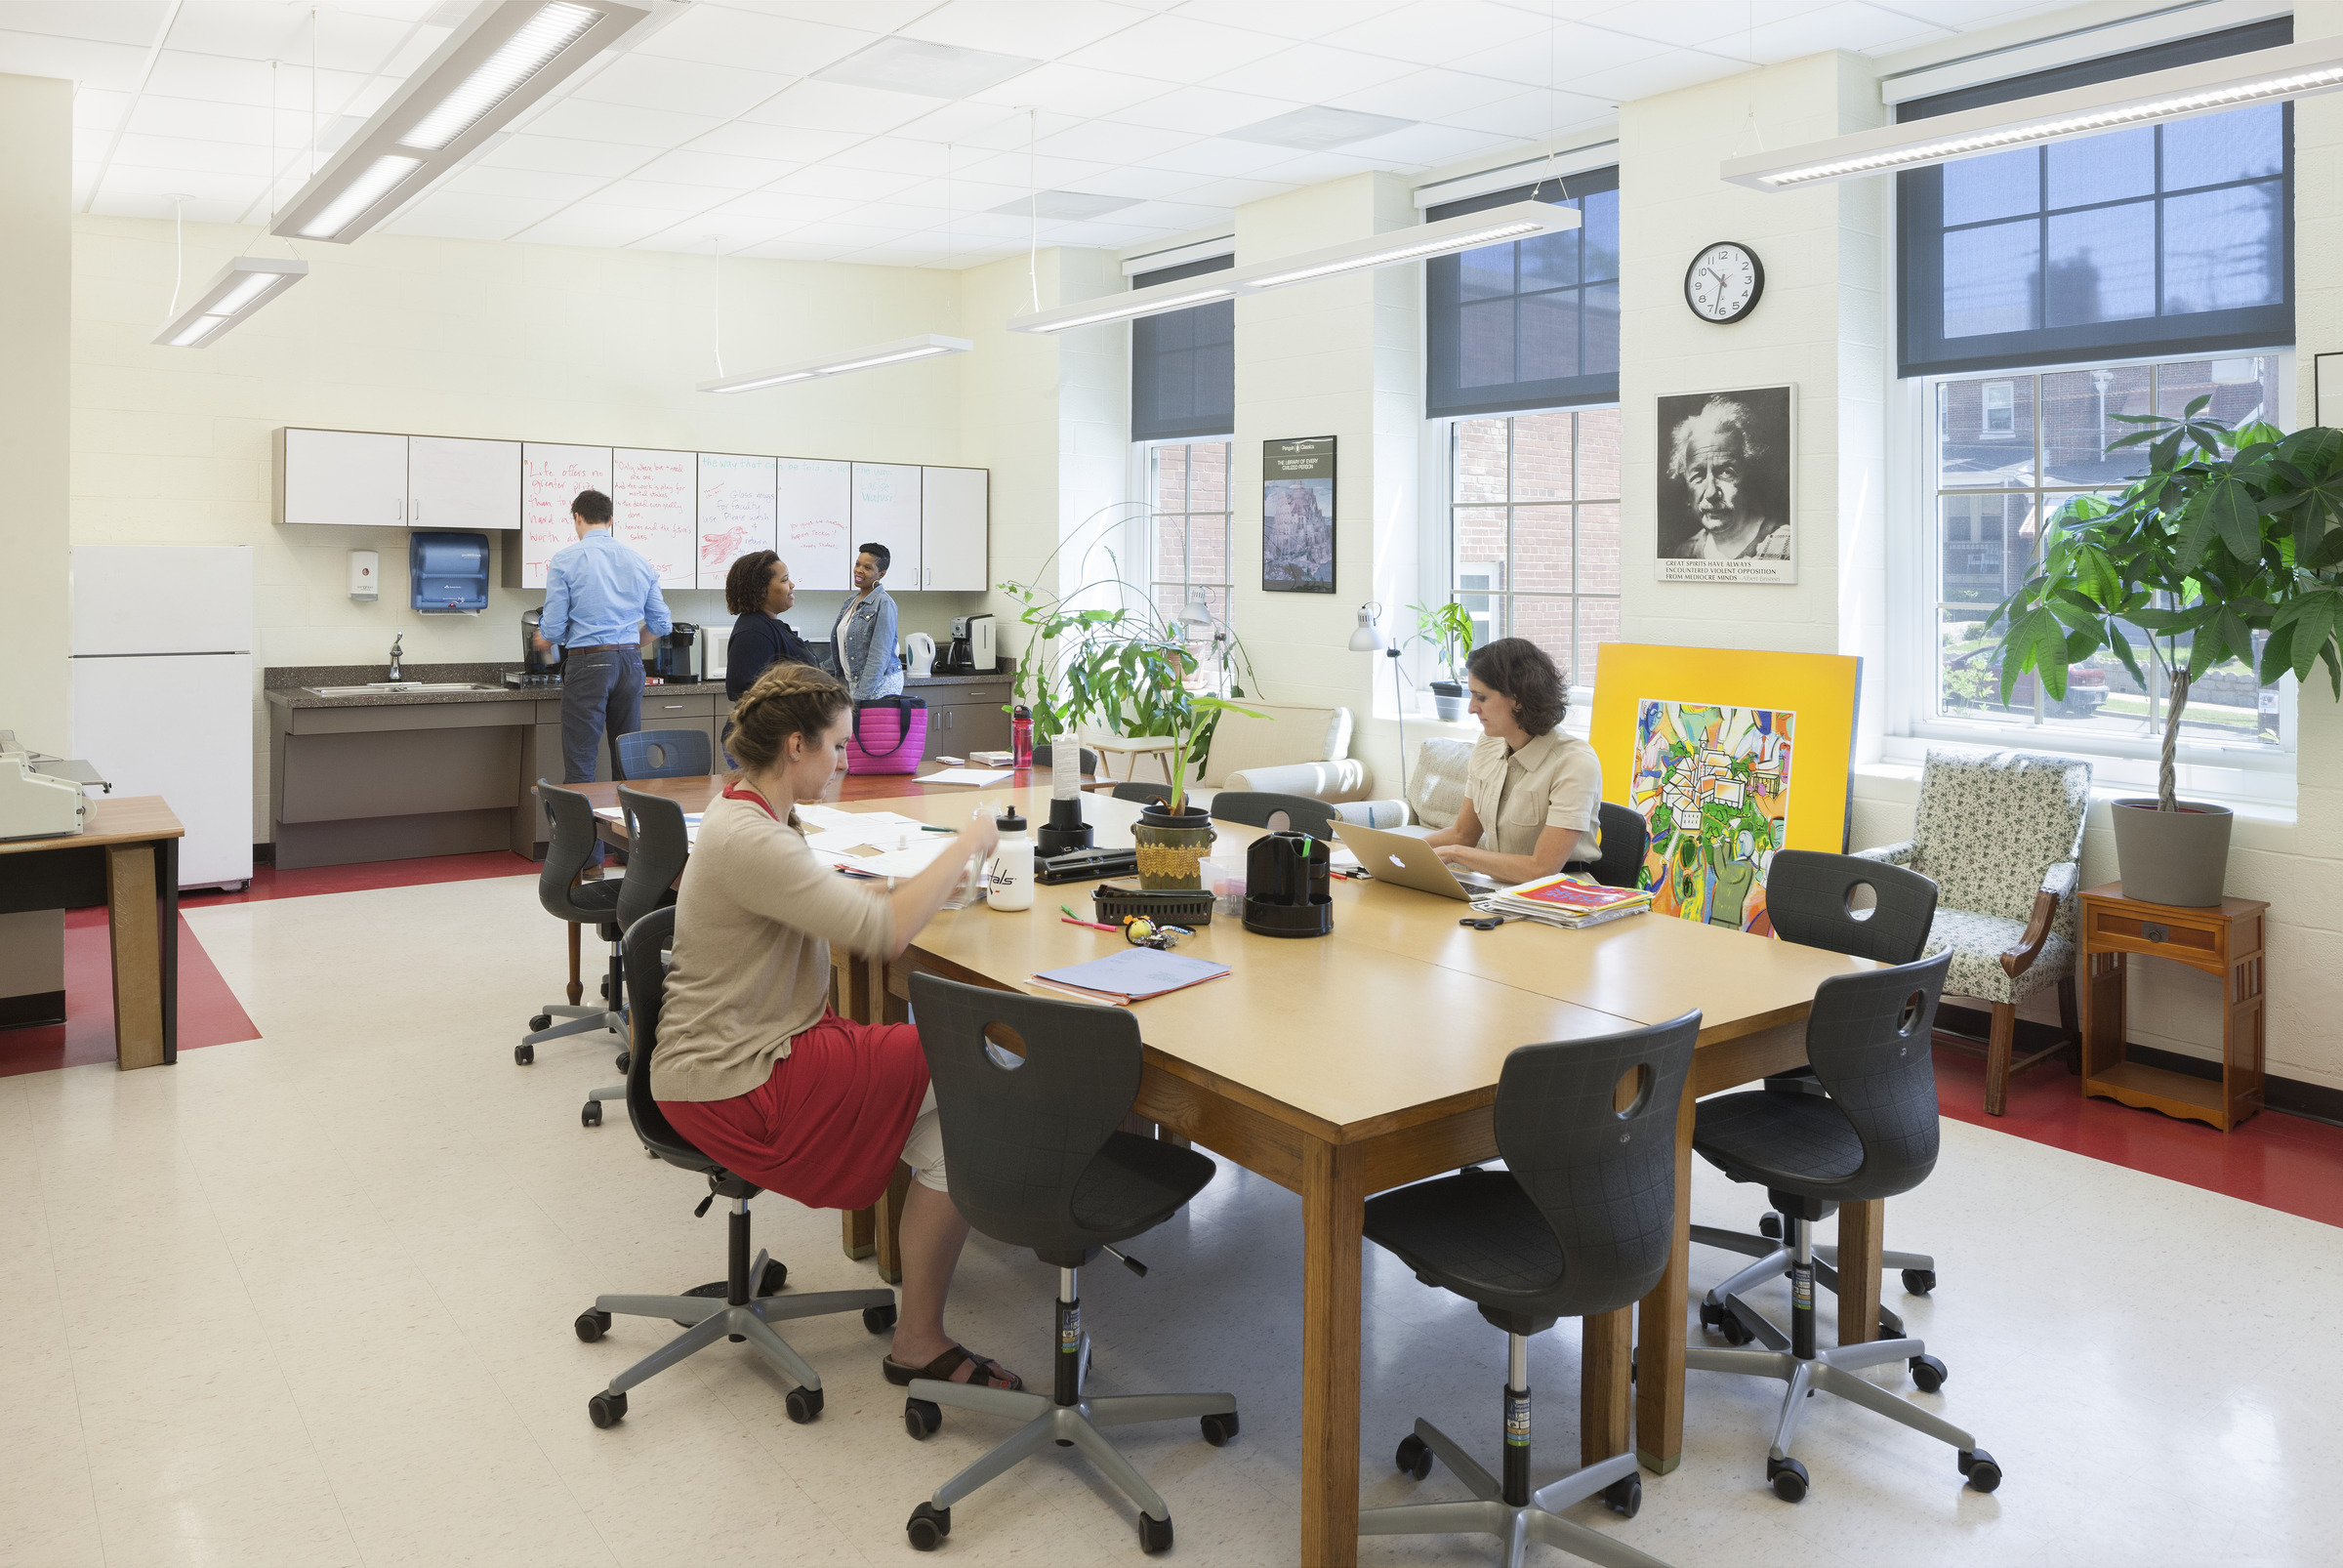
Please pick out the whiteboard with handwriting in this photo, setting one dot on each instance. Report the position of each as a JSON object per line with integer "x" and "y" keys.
{"x": 736, "y": 511}
{"x": 816, "y": 509}
{"x": 550, "y": 478}
{"x": 886, "y": 512}
{"x": 652, "y": 501}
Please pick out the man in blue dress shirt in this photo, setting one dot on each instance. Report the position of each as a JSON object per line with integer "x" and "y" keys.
{"x": 601, "y": 604}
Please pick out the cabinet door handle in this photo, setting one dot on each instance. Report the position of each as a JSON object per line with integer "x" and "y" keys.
{"x": 675, "y": 707}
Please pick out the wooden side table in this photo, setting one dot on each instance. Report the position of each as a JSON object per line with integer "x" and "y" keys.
{"x": 2224, "y": 942}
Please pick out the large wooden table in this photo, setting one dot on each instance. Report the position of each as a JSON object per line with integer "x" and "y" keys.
{"x": 126, "y": 857}
{"x": 1341, "y": 1067}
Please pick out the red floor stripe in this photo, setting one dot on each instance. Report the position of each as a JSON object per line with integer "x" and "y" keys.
{"x": 2280, "y": 1162}
{"x": 209, "y": 1013}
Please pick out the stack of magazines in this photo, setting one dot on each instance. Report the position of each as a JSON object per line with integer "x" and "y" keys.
{"x": 1566, "y": 901}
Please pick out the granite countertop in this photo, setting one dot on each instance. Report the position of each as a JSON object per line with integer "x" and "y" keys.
{"x": 1001, "y": 671}
{"x": 286, "y": 685}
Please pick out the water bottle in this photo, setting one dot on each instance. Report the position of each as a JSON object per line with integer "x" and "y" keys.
{"x": 1020, "y": 738}
{"x": 1008, "y": 877}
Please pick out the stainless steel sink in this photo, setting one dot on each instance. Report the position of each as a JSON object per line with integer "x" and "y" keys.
{"x": 399, "y": 688}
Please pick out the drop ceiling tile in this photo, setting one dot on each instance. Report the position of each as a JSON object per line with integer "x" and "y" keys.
{"x": 96, "y": 109}
{"x": 972, "y": 227}
{"x": 1290, "y": 19}
{"x": 1204, "y": 110}
{"x": 1662, "y": 73}
{"x": 586, "y": 223}
{"x": 961, "y": 198}
{"x": 877, "y": 16}
{"x": 1144, "y": 180}
{"x": 1103, "y": 235}
{"x": 1234, "y": 192}
{"x": 1105, "y": 141}
{"x": 689, "y": 166}
{"x": 126, "y": 22}
{"x": 721, "y": 36}
{"x": 972, "y": 124}
{"x": 155, "y": 114}
{"x": 459, "y": 215}
{"x": 216, "y": 79}
{"x": 621, "y": 122}
{"x": 1168, "y": 215}
{"x": 207, "y": 185}
{"x": 911, "y": 253}
{"x": 1062, "y": 87}
{"x": 1315, "y": 73}
{"x": 113, "y": 202}
{"x": 897, "y": 155}
{"x": 187, "y": 153}
{"x": 1431, "y": 32}
{"x": 1527, "y": 116}
{"x": 853, "y": 185}
{"x": 1046, "y": 173}
{"x": 785, "y": 143}
{"x": 1864, "y": 29}
{"x": 657, "y": 195}
{"x": 523, "y": 185}
{"x": 1583, "y": 52}
{"x": 647, "y": 81}
{"x": 1431, "y": 95}
{"x": 1217, "y": 155}
{"x": 1426, "y": 146}
{"x": 786, "y": 249}
{"x": 840, "y": 107}
{"x": 1039, "y": 28}
{"x": 113, "y": 66}
{"x": 1967, "y": 15}
{"x": 1174, "y": 49}
{"x": 237, "y": 30}
{"x": 852, "y": 236}
{"x": 561, "y": 154}
{"x": 692, "y": 237}
{"x": 767, "y": 212}
{"x": 1316, "y": 168}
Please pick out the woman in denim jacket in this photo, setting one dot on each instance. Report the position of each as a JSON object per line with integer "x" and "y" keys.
{"x": 862, "y": 640}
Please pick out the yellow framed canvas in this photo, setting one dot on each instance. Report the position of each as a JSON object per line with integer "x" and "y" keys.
{"x": 1729, "y": 754}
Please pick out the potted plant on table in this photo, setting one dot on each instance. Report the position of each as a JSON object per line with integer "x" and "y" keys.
{"x": 1448, "y": 627}
{"x": 2229, "y": 536}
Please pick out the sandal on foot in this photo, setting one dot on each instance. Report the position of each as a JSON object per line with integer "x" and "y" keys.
{"x": 989, "y": 1374}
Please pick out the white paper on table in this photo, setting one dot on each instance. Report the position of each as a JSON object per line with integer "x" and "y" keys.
{"x": 1343, "y": 858}
{"x": 834, "y": 842}
{"x": 894, "y": 862}
{"x": 978, "y": 776}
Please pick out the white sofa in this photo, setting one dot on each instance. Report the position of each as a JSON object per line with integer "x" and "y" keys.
{"x": 1289, "y": 749}
{"x": 1435, "y": 792}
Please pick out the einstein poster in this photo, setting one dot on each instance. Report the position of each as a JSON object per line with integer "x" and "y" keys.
{"x": 1725, "y": 504}
{"x": 1297, "y": 516}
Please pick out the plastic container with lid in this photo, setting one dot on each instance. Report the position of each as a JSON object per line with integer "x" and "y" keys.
{"x": 1008, "y": 876}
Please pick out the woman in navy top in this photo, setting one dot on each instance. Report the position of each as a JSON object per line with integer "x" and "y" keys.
{"x": 757, "y": 590}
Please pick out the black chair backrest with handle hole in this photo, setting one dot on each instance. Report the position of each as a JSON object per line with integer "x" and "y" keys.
{"x": 1033, "y": 1147}
{"x": 570, "y": 845}
{"x": 658, "y": 844}
{"x": 1868, "y": 1041}
{"x": 1046, "y": 755}
{"x": 647, "y": 942}
{"x": 1626, "y": 834}
{"x": 665, "y": 754}
{"x": 1811, "y": 897}
{"x": 1144, "y": 794}
{"x": 1258, "y": 809}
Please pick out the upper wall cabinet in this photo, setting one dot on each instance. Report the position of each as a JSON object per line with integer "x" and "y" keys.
{"x": 954, "y": 530}
{"x": 886, "y": 512}
{"x": 453, "y": 482}
{"x": 352, "y": 478}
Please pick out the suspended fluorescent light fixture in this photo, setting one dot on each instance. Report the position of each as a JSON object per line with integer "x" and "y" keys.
{"x": 2208, "y": 87}
{"x": 240, "y": 289}
{"x": 926, "y": 346}
{"x": 505, "y": 57}
{"x": 1521, "y": 220}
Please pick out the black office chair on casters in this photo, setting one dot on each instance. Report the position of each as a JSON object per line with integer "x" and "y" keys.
{"x": 664, "y": 754}
{"x": 746, "y": 1305}
{"x": 1044, "y": 757}
{"x": 1812, "y": 898}
{"x": 658, "y": 844}
{"x": 1261, "y": 809}
{"x": 1626, "y": 836}
{"x": 1871, "y": 1134}
{"x": 1032, "y": 1095}
{"x": 1580, "y": 1222}
{"x": 1143, "y": 794}
{"x": 569, "y": 845}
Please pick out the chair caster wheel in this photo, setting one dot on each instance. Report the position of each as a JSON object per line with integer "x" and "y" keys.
{"x": 608, "y": 1409}
{"x": 776, "y": 1277}
{"x": 1732, "y": 1330}
{"x": 921, "y": 1418}
{"x": 1979, "y": 1466}
{"x": 1788, "y": 1478}
{"x": 1712, "y": 1317}
{"x": 543, "y": 1020}
{"x": 524, "y": 1054}
{"x": 1928, "y": 1374}
{"x": 1219, "y": 1430}
{"x": 590, "y": 1115}
{"x": 928, "y": 1526}
{"x": 1769, "y": 1225}
{"x": 621, "y": 1062}
{"x": 1625, "y": 1497}
{"x": 1919, "y": 1281}
{"x": 1413, "y": 1458}
{"x": 878, "y": 1319}
{"x": 1155, "y": 1535}
{"x": 592, "y": 1325}
{"x": 605, "y": 988}
{"x": 803, "y": 1404}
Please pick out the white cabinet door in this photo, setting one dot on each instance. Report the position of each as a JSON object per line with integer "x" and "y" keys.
{"x": 952, "y": 530}
{"x": 453, "y": 482}
{"x": 354, "y": 478}
{"x": 886, "y": 512}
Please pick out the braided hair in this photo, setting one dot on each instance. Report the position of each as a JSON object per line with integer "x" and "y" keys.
{"x": 788, "y": 699}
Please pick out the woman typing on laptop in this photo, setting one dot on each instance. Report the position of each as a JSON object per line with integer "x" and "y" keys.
{"x": 1531, "y": 795}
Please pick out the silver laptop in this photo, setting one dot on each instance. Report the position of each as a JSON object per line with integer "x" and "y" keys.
{"x": 1407, "y": 861}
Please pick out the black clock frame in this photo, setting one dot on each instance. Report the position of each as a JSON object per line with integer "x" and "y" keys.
{"x": 1756, "y": 289}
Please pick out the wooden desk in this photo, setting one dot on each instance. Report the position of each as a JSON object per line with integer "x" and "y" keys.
{"x": 1352, "y": 1075}
{"x": 126, "y": 857}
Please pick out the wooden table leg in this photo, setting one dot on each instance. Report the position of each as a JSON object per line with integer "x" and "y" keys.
{"x": 576, "y": 985}
{"x": 888, "y": 1230}
{"x": 132, "y": 916}
{"x": 1660, "y": 1337}
{"x": 1334, "y": 1207}
{"x": 858, "y": 1232}
{"x": 1861, "y": 1227}
{"x": 1606, "y": 1345}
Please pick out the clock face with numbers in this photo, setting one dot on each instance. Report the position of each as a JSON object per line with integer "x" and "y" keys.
{"x": 1723, "y": 283}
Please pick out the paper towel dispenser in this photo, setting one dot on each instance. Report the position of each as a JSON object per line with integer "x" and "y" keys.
{"x": 449, "y": 571}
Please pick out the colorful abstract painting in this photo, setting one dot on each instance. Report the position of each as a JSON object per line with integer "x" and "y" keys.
{"x": 1714, "y": 784}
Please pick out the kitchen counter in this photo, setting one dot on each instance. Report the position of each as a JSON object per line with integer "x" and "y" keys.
{"x": 287, "y": 686}
{"x": 998, "y": 673}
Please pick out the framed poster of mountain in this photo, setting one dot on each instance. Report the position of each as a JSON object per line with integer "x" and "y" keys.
{"x": 1724, "y": 503}
{"x": 1297, "y": 516}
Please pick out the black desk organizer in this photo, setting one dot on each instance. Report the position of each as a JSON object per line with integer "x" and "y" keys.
{"x": 1287, "y": 885}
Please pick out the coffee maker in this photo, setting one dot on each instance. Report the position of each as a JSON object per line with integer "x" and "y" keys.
{"x": 972, "y": 651}
{"x": 537, "y": 669}
{"x": 671, "y": 655}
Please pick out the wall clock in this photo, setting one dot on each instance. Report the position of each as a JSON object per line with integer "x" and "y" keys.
{"x": 1723, "y": 283}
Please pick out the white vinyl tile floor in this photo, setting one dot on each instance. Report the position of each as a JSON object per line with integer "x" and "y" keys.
{"x": 308, "y": 1300}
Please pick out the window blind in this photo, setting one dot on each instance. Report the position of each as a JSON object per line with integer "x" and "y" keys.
{"x": 1184, "y": 368}
{"x": 1531, "y": 324}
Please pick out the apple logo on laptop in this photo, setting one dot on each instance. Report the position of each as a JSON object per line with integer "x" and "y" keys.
{"x": 1401, "y": 864}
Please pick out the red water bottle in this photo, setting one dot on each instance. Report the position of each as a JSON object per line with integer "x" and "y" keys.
{"x": 1020, "y": 738}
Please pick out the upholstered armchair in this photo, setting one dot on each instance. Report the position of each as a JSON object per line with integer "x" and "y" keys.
{"x": 1999, "y": 835}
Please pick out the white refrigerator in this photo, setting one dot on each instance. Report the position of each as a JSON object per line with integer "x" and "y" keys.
{"x": 162, "y": 691}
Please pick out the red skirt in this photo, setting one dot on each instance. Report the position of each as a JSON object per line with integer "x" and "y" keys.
{"x": 827, "y": 1128}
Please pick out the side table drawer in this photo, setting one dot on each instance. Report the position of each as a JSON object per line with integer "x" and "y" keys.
{"x": 2187, "y": 942}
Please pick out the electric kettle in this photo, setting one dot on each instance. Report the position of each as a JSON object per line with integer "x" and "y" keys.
{"x": 918, "y": 655}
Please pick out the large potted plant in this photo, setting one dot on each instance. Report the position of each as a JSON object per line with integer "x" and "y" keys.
{"x": 2230, "y": 537}
{"x": 1448, "y": 627}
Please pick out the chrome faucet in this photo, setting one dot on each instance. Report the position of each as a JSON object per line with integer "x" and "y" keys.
{"x": 398, "y": 671}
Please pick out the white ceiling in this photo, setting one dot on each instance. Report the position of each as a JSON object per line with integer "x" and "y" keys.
{"x": 717, "y": 123}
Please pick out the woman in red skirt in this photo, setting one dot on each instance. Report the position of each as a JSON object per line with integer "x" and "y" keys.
{"x": 751, "y": 1064}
